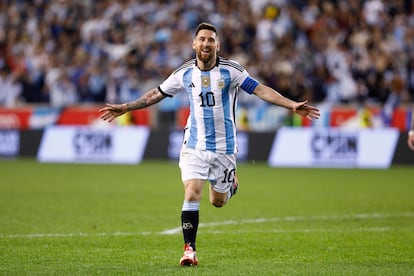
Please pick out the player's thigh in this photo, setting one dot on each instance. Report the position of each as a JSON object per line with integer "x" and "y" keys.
{"x": 193, "y": 165}
{"x": 222, "y": 172}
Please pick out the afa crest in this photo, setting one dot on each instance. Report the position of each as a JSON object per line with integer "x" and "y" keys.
{"x": 205, "y": 81}
{"x": 220, "y": 84}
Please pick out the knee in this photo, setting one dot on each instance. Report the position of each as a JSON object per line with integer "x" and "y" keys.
{"x": 218, "y": 203}
{"x": 192, "y": 195}
{"x": 193, "y": 190}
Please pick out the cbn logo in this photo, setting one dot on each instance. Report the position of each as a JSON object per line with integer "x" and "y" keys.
{"x": 338, "y": 146}
{"x": 92, "y": 143}
{"x": 9, "y": 142}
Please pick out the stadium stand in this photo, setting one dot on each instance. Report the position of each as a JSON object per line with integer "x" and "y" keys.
{"x": 64, "y": 53}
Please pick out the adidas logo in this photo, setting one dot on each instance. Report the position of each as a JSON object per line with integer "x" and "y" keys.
{"x": 191, "y": 85}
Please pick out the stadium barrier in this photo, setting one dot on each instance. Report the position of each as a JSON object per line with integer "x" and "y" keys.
{"x": 84, "y": 144}
{"x": 33, "y": 131}
{"x": 333, "y": 147}
{"x": 256, "y": 119}
{"x": 130, "y": 145}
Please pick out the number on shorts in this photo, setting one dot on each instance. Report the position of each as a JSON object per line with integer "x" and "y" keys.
{"x": 228, "y": 176}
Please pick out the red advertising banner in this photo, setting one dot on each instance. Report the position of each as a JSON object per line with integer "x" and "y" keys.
{"x": 39, "y": 117}
{"x": 15, "y": 118}
{"x": 78, "y": 115}
{"x": 89, "y": 115}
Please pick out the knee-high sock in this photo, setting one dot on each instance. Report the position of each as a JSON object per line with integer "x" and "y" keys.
{"x": 189, "y": 222}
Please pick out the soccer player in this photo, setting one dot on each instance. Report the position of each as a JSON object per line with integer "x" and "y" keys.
{"x": 209, "y": 147}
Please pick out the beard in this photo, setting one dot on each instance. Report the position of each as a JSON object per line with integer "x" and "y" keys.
{"x": 205, "y": 57}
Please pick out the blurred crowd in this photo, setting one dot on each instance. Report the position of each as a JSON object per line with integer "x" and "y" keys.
{"x": 65, "y": 52}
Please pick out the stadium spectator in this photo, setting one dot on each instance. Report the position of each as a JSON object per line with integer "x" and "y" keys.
{"x": 62, "y": 91}
{"x": 367, "y": 40}
{"x": 209, "y": 148}
{"x": 10, "y": 89}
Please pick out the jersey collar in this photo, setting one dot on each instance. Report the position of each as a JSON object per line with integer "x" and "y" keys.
{"x": 217, "y": 63}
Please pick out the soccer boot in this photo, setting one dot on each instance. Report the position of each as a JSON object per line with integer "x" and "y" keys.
{"x": 189, "y": 257}
{"x": 234, "y": 186}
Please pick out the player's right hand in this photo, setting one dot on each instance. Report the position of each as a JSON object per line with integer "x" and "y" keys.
{"x": 111, "y": 111}
{"x": 410, "y": 142}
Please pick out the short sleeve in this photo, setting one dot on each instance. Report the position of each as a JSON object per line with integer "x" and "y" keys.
{"x": 172, "y": 85}
{"x": 242, "y": 78}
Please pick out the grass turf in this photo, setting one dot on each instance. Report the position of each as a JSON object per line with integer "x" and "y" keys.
{"x": 66, "y": 219}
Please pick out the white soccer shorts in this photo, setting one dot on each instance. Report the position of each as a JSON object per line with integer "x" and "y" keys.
{"x": 217, "y": 168}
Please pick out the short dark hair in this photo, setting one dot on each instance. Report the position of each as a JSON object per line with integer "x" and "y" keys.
{"x": 205, "y": 26}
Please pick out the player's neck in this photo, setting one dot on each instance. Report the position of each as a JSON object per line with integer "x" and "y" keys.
{"x": 206, "y": 66}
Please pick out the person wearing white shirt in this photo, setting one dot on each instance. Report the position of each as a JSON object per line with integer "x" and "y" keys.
{"x": 212, "y": 84}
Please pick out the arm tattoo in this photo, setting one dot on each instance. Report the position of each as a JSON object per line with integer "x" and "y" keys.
{"x": 151, "y": 97}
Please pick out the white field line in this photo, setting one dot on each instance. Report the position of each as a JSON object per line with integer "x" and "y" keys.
{"x": 177, "y": 230}
{"x": 316, "y": 230}
{"x": 294, "y": 218}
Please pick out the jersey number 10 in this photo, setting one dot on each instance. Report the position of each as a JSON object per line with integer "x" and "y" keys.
{"x": 207, "y": 99}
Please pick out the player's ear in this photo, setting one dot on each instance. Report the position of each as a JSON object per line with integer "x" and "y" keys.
{"x": 218, "y": 46}
{"x": 194, "y": 44}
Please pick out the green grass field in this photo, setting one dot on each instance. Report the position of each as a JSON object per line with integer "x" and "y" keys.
{"x": 68, "y": 219}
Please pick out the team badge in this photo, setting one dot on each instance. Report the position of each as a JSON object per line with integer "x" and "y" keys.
{"x": 205, "y": 81}
{"x": 220, "y": 84}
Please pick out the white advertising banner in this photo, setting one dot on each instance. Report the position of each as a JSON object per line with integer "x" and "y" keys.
{"x": 9, "y": 143}
{"x": 333, "y": 147}
{"x": 83, "y": 144}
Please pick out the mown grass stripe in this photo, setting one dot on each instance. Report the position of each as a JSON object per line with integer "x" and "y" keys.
{"x": 177, "y": 230}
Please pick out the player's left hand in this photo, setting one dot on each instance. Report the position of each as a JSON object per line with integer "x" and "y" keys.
{"x": 305, "y": 110}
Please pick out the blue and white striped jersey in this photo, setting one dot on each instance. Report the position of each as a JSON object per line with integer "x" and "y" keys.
{"x": 213, "y": 99}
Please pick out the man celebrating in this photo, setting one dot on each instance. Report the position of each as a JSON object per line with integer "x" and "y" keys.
{"x": 209, "y": 148}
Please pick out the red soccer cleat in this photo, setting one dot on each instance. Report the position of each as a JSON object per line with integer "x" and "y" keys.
{"x": 189, "y": 257}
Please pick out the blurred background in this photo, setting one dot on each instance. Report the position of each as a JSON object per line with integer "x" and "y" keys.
{"x": 60, "y": 61}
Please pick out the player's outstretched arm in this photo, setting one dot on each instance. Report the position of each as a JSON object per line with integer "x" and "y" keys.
{"x": 410, "y": 141}
{"x": 111, "y": 111}
{"x": 270, "y": 95}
